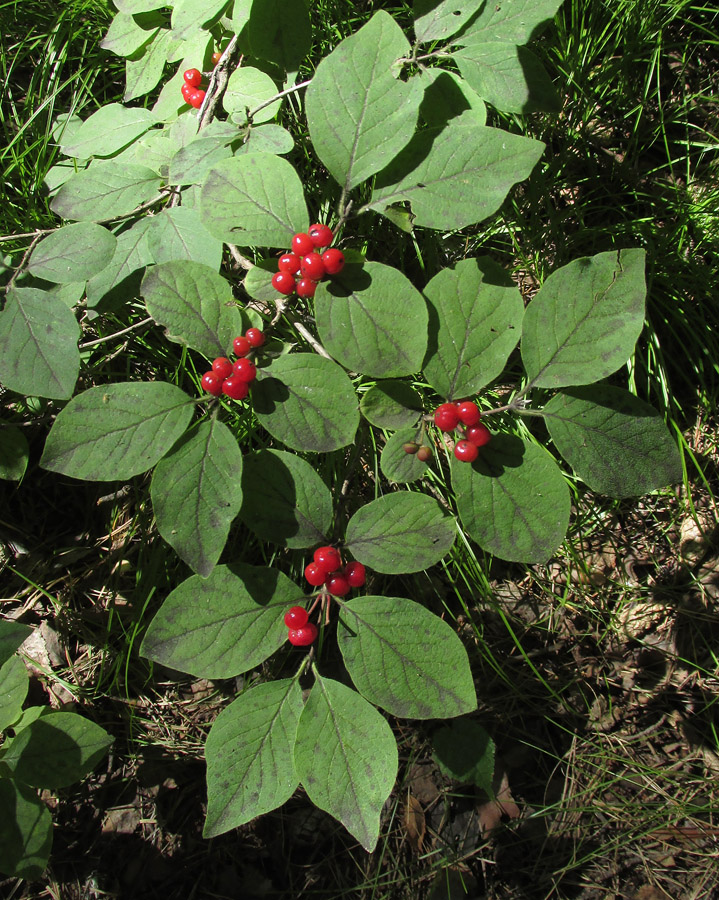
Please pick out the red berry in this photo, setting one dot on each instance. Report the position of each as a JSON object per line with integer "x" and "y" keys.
{"x": 306, "y": 287}
{"x": 334, "y": 261}
{"x": 283, "y": 282}
{"x": 338, "y": 585}
{"x": 302, "y": 637}
{"x": 196, "y": 98}
{"x": 222, "y": 367}
{"x": 328, "y": 558}
{"x": 289, "y": 262}
{"x": 235, "y": 388}
{"x": 321, "y": 235}
{"x": 241, "y": 346}
{"x": 446, "y": 417}
{"x": 479, "y": 435}
{"x": 355, "y": 574}
{"x": 193, "y": 77}
{"x": 302, "y": 244}
{"x": 468, "y": 412}
{"x": 216, "y": 57}
{"x": 245, "y": 370}
{"x": 315, "y": 574}
{"x": 424, "y": 454}
{"x": 312, "y": 266}
{"x": 212, "y": 383}
{"x": 255, "y": 337}
{"x": 296, "y": 617}
{"x": 466, "y": 451}
{"x": 410, "y": 447}
{"x": 186, "y": 89}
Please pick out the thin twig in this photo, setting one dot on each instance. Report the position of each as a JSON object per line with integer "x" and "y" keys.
{"x": 24, "y": 259}
{"x": 229, "y": 60}
{"x": 111, "y": 337}
{"x": 279, "y": 96}
{"x": 312, "y": 341}
{"x": 242, "y": 261}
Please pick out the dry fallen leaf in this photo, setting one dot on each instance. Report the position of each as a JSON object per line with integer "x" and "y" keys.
{"x": 490, "y": 813}
{"x": 414, "y": 823}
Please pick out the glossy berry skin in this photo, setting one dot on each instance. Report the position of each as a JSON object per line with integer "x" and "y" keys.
{"x": 334, "y": 261}
{"x": 315, "y": 574}
{"x": 283, "y": 282}
{"x": 479, "y": 435}
{"x": 216, "y": 57}
{"x": 296, "y": 617}
{"x": 306, "y": 287}
{"x": 465, "y": 451}
{"x": 338, "y": 585}
{"x": 446, "y": 417}
{"x": 193, "y": 77}
{"x": 196, "y": 98}
{"x": 328, "y": 558}
{"x": 212, "y": 383}
{"x": 255, "y": 337}
{"x": 302, "y": 244}
{"x": 235, "y": 388}
{"x": 186, "y": 90}
{"x": 302, "y": 637}
{"x": 321, "y": 235}
{"x": 468, "y": 412}
{"x": 355, "y": 574}
{"x": 222, "y": 367}
{"x": 245, "y": 370}
{"x": 424, "y": 454}
{"x": 410, "y": 447}
{"x": 312, "y": 266}
{"x": 241, "y": 346}
{"x": 289, "y": 262}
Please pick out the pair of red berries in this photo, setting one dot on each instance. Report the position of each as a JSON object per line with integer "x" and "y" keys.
{"x": 191, "y": 92}
{"x": 304, "y": 265}
{"x": 234, "y": 379}
{"x": 326, "y": 569}
{"x": 448, "y": 416}
{"x": 300, "y": 631}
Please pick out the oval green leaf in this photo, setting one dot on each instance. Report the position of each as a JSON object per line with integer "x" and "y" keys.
{"x": 397, "y": 465}
{"x": 106, "y": 190}
{"x": 178, "y": 233}
{"x": 14, "y": 452}
{"x": 25, "y": 831}
{"x": 108, "y": 130}
{"x": 73, "y": 253}
{"x": 391, "y": 404}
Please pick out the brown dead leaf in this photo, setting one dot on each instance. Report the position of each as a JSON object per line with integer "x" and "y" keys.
{"x": 414, "y": 823}
{"x": 423, "y": 783}
{"x": 490, "y": 813}
{"x": 650, "y": 892}
{"x": 121, "y": 820}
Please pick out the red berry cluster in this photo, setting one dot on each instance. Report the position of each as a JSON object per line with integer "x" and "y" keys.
{"x": 191, "y": 92}
{"x": 300, "y": 631}
{"x": 326, "y": 569}
{"x": 304, "y": 265}
{"x": 234, "y": 379}
{"x": 448, "y": 416}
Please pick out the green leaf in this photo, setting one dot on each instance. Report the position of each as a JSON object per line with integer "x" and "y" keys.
{"x": 197, "y": 492}
{"x": 108, "y": 130}
{"x": 475, "y": 319}
{"x": 38, "y": 345}
{"x": 255, "y": 199}
{"x": 511, "y": 78}
{"x": 76, "y": 744}
{"x": 398, "y": 466}
{"x": 25, "y": 831}
{"x": 73, "y": 253}
{"x": 248, "y": 88}
{"x": 192, "y": 162}
{"x": 447, "y": 96}
{"x": 143, "y": 73}
{"x": 130, "y": 7}
{"x": 513, "y": 500}
{"x": 154, "y": 150}
{"x": 464, "y": 751}
{"x": 121, "y": 278}
{"x": 285, "y": 500}
{"x": 189, "y": 15}
{"x": 107, "y": 190}
{"x": 584, "y": 321}
{"x": 267, "y": 139}
{"x": 128, "y": 34}
{"x": 12, "y": 634}
{"x": 405, "y": 659}
{"x": 615, "y": 442}
{"x": 457, "y": 175}
{"x": 400, "y": 532}
{"x": 14, "y": 682}
{"x": 358, "y": 322}
{"x": 280, "y": 31}
{"x": 258, "y": 281}
{"x": 307, "y": 402}
{"x": 195, "y": 50}
{"x": 435, "y": 20}
{"x": 249, "y": 753}
{"x": 515, "y": 21}
{"x": 194, "y": 303}
{"x": 178, "y": 233}
{"x": 14, "y": 452}
{"x": 116, "y": 431}
{"x": 223, "y": 625}
{"x": 360, "y": 115}
{"x": 346, "y": 758}
{"x": 391, "y": 404}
